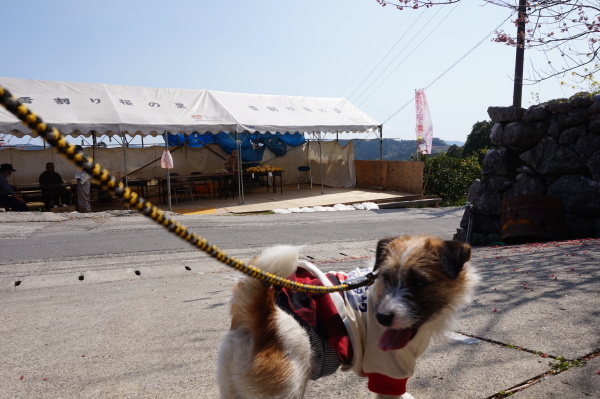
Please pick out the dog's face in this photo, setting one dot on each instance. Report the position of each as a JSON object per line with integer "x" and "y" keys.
{"x": 418, "y": 277}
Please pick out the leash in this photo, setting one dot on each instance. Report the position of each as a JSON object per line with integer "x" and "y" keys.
{"x": 109, "y": 183}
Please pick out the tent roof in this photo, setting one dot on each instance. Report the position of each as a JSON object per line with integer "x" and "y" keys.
{"x": 82, "y": 108}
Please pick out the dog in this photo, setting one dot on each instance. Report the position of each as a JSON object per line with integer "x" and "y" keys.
{"x": 278, "y": 341}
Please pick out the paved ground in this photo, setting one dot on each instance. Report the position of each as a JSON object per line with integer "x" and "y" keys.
{"x": 148, "y": 325}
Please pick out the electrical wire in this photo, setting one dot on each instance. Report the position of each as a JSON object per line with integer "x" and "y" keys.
{"x": 451, "y": 66}
{"x": 381, "y": 48}
{"x": 405, "y": 58}
{"x": 393, "y": 47}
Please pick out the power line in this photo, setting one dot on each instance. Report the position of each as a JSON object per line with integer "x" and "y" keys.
{"x": 452, "y": 66}
{"x": 393, "y": 47}
{"x": 381, "y": 48}
{"x": 405, "y": 58}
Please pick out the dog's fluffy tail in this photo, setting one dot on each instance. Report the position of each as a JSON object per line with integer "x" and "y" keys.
{"x": 252, "y": 295}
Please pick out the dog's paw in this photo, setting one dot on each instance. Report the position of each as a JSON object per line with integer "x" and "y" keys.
{"x": 405, "y": 396}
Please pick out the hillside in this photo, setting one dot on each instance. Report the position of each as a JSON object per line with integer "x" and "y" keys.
{"x": 393, "y": 150}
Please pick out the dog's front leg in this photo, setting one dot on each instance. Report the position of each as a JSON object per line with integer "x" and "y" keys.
{"x": 405, "y": 396}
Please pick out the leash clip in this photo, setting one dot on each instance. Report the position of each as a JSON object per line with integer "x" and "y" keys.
{"x": 361, "y": 281}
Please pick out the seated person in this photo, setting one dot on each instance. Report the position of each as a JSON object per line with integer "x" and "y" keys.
{"x": 53, "y": 195}
{"x": 231, "y": 163}
{"x": 8, "y": 195}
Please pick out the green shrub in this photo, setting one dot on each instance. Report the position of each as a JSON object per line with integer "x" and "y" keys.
{"x": 450, "y": 178}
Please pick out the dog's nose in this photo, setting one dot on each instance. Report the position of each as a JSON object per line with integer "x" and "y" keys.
{"x": 385, "y": 319}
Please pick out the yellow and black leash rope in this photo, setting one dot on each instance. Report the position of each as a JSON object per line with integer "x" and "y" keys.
{"x": 109, "y": 183}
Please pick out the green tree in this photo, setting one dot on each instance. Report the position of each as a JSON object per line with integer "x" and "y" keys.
{"x": 450, "y": 178}
{"x": 454, "y": 151}
{"x": 478, "y": 139}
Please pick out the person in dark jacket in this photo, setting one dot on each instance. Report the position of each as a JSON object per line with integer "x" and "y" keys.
{"x": 9, "y": 197}
{"x": 53, "y": 193}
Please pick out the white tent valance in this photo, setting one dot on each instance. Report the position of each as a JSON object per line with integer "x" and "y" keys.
{"x": 85, "y": 108}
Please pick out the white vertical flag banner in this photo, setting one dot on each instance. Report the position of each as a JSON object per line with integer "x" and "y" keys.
{"x": 424, "y": 129}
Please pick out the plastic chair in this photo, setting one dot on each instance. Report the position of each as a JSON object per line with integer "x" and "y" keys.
{"x": 181, "y": 186}
{"x": 304, "y": 175}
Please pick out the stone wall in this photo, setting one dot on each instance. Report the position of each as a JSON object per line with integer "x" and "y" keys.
{"x": 549, "y": 149}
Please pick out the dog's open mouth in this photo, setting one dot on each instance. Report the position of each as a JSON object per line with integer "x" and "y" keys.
{"x": 392, "y": 339}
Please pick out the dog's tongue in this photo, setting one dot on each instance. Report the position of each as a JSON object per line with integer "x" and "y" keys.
{"x": 394, "y": 339}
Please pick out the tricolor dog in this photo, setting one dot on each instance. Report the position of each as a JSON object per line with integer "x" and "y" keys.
{"x": 280, "y": 339}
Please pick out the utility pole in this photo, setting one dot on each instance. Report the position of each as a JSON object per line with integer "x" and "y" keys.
{"x": 519, "y": 61}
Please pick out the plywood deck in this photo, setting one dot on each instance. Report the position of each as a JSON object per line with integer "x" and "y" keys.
{"x": 260, "y": 201}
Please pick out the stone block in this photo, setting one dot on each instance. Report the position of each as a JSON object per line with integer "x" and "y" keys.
{"x": 559, "y": 108}
{"x": 580, "y": 195}
{"x": 484, "y": 200}
{"x": 588, "y": 144}
{"x": 500, "y": 162}
{"x": 581, "y": 100}
{"x": 577, "y": 227}
{"x": 551, "y": 158}
{"x": 536, "y": 113}
{"x": 505, "y": 114}
{"x": 595, "y": 108}
{"x": 518, "y": 135}
{"x": 578, "y": 116}
{"x": 499, "y": 183}
{"x": 461, "y": 235}
{"x": 594, "y": 125}
{"x": 526, "y": 185}
{"x": 572, "y": 134}
{"x": 593, "y": 163}
{"x": 558, "y": 122}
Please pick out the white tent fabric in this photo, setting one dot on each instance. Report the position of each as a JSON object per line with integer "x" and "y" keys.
{"x": 338, "y": 162}
{"x": 82, "y": 108}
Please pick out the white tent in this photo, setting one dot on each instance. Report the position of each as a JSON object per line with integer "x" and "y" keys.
{"x": 102, "y": 109}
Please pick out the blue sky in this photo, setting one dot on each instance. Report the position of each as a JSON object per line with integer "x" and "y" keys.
{"x": 316, "y": 48}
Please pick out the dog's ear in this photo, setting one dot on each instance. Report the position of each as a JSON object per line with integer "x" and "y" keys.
{"x": 382, "y": 251}
{"x": 453, "y": 255}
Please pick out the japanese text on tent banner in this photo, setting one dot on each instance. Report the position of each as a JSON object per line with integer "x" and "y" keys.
{"x": 424, "y": 129}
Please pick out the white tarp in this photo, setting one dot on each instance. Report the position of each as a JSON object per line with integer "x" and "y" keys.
{"x": 338, "y": 168}
{"x": 83, "y": 108}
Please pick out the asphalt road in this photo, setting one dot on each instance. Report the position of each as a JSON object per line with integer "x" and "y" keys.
{"x": 92, "y": 236}
{"x": 113, "y": 307}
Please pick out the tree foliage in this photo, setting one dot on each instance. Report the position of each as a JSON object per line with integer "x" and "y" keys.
{"x": 450, "y": 178}
{"x": 454, "y": 151}
{"x": 478, "y": 139}
{"x": 569, "y": 28}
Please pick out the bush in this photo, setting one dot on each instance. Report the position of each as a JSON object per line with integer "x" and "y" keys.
{"x": 450, "y": 178}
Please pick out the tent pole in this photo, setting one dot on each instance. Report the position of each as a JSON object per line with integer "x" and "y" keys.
{"x": 93, "y": 145}
{"x": 380, "y": 142}
{"x": 321, "y": 163}
{"x": 168, "y": 174}
{"x": 240, "y": 176}
{"x": 124, "y": 143}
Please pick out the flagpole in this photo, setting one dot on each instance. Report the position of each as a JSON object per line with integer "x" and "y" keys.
{"x": 416, "y": 141}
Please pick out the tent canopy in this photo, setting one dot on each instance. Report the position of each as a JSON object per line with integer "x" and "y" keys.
{"x": 85, "y": 108}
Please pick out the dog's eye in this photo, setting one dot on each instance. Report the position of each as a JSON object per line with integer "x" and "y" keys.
{"x": 419, "y": 282}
